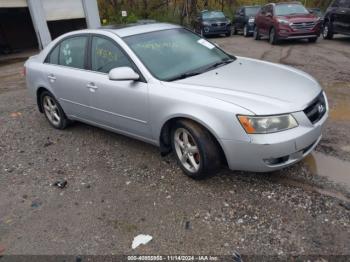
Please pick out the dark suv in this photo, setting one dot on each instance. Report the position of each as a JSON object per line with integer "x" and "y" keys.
{"x": 286, "y": 21}
{"x": 337, "y": 19}
{"x": 212, "y": 23}
{"x": 244, "y": 20}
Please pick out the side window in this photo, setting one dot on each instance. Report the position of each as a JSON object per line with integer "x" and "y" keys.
{"x": 336, "y": 3}
{"x": 72, "y": 52}
{"x": 344, "y": 3}
{"x": 106, "y": 55}
{"x": 53, "y": 57}
{"x": 269, "y": 9}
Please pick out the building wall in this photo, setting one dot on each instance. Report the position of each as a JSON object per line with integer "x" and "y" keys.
{"x": 44, "y": 11}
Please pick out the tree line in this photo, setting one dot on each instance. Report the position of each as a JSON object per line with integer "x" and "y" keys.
{"x": 176, "y": 11}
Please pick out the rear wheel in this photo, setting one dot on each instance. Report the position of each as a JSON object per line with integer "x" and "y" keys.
{"x": 327, "y": 32}
{"x": 53, "y": 111}
{"x": 256, "y": 33}
{"x": 196, "y": 151}
{"x": 273, "y": 37}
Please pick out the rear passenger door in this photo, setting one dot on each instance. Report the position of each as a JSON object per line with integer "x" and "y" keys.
{"x": 65, "y": 72}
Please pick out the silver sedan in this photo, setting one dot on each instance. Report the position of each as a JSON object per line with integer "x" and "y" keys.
{"x": 167, "y": 86}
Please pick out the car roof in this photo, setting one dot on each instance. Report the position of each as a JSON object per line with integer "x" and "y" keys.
{"x": 248, "y": 6}
{"x": 287, "y": 3}
{"x": 138, "y": 28}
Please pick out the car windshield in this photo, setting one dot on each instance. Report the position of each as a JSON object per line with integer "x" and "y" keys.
{"x": 290, "y": 9}
{"x": 176, "y": 53}
{"x": 213, "y": 15}
{"x": 252, "y": 11}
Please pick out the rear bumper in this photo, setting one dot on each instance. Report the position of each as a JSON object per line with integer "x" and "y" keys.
{"x": 271, "y": 152}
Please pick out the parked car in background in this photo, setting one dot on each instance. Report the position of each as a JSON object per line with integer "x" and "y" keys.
{"x": 337, "y": 19}
{"x": 167, "y": 86}
{"x": 212, "y": 23}
{"x": 244, "y": 20}
{"x": 286, "y": 21}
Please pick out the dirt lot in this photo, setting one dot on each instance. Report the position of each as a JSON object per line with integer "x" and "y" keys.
{"x": 119, "y": 187}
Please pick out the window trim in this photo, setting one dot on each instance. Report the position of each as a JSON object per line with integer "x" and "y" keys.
{"x": 88, "y": 52}
{"x": 58, "y": 44}
{"x": 89, "y": 62}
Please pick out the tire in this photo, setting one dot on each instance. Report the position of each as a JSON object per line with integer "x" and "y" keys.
{"x": 327, "y": 31}
{"x": 202, "y": 33}
{"x": 229, "y": 33}
{"x": 246, "y": 31}
{"x": 234, "y": 30}
{"x": 273, "y": 39}
{"x": 53, "y": 111}
{"x": 256, "y": 33}
{"x": 204, "y": 159}
{"x": 312, "y": 40}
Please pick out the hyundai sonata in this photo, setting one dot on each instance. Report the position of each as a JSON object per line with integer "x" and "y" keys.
{"x": 167, "y": 86}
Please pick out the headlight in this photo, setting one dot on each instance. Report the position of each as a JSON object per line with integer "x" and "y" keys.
{"x": 267, "y": 124}
{"x": 206, "y": 23}
{"x": 283, "y": 21}
{"x": 251, "y": 20}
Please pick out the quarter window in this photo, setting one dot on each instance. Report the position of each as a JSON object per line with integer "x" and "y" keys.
{"x": 72, "y": 52}
{"x": 106, "y": 55}
{"x": 53, "y": 57}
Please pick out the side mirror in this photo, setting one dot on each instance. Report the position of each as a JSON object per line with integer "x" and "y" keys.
{"x": 123, "y": 74}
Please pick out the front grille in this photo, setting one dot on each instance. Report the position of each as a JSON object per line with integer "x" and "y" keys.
{"x": 218, "y": 24}
{"x": 303, "y": 25}
{"x": 317, "y": 109}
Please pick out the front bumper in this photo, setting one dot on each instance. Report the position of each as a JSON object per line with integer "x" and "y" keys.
{"x": 286, "y": 32}
{"x": 214, "y": 30}
{"x": 274, "y": 151}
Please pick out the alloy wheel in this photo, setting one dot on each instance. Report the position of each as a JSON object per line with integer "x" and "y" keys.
{"x": 245, "y": 31}
{"x": 187, "y": 150}
{"x": 51, "y": 110}
{"x": 325, "y": 31}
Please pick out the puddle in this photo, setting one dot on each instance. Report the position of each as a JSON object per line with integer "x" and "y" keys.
{"x": 327, "y": 166}
{"x": 341, "y": 111}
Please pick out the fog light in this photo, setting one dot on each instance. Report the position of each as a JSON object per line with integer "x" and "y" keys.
{"x": 206, "y": 29}
{"x": 276, "y": 161}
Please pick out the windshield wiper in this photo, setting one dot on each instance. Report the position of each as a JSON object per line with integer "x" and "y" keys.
{"x": 217, "y": 64}
{"x": 194, "y": 73}
{"x": 184, "y": 75}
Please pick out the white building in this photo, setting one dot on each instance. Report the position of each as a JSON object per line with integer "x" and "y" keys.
{"x": 29, "y": 24}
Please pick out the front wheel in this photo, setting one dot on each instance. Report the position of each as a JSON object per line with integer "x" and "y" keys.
{"x": 312, "y": 40}
{"x": 245, "y": 31}
{"x": 327, "y": 32}
{"x": 196, "y": 151}
{"x": 256, "y": 33}
{"x": 273, "y": 37}
{"x": 229, "y": 33}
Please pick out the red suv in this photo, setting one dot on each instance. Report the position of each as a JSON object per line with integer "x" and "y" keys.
{"x": 286, "y": 21}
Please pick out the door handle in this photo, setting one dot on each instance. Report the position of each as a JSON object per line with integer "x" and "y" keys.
{"x": 92, "y": 87}
{"x": 51, "y": 77}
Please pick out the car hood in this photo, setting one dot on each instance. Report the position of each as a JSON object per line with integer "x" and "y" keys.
{"x": 261, "y": 87}
{"x": 215, "y": 20}
{"x": 299, "y": 18}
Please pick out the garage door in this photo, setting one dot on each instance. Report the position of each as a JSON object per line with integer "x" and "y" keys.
{"x": 63, "y": 9}
{"x": 13, "y": 3}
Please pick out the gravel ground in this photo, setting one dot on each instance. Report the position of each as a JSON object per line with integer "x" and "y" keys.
{"x": 119, "y": 187}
